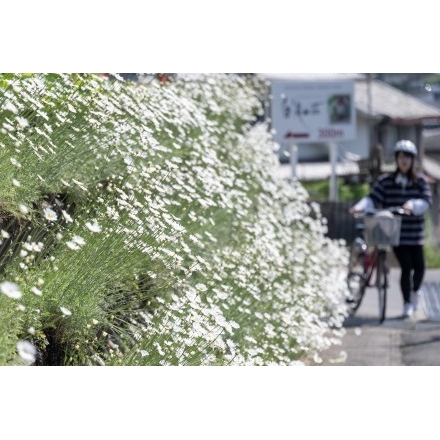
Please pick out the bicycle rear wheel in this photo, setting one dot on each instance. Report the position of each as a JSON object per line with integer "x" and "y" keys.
{"x": 382, "y": 284}
{"x": 356, "y": 287}
{"x": 356, "y": 281}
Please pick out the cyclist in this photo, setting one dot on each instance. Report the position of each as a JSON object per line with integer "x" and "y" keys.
{"x": 406, "y": 188}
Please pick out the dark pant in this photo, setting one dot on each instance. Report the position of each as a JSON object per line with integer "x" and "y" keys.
{"x": 412, "y": 262}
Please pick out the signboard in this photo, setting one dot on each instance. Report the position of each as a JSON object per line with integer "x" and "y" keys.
{"x": 313, "y": 111}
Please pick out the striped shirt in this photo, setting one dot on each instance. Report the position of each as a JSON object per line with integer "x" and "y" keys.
{"x": 386, "y": 192}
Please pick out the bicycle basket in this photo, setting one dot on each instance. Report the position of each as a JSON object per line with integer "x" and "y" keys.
{"x": 382, "y": 230}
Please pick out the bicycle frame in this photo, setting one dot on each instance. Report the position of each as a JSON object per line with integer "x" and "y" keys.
{"x": 373, "y": 273}
{"x": 371, "y": 256}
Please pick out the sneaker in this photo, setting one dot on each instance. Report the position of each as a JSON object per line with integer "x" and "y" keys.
{"x": 415, "y": 298}
{"x": 408, "y": 310}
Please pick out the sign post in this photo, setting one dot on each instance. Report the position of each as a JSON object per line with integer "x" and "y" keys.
{"x": 293, "y": 161}
{"x": 333, "y": 187}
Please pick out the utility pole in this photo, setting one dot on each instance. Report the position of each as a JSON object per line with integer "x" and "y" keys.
{"x": 370, "y": 109}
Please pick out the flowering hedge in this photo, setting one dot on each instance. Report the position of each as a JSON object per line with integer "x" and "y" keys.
{"x": 145, "y": 224}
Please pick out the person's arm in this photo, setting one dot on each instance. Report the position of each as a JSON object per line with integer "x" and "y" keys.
{"x": 364, "y": 204}
{"x": 420, "y": 205}
{"x": 416, "y": 206}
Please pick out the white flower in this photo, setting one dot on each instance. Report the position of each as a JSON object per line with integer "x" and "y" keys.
{"x": 81, "y": 185}
{"x": 23, "y": 209}
{"x": 15, "y": 182}
{"x": 72, "y": 245}
{"x": 9, "y": 106}
{"x": 31, "y": 330}
{"x": 67, "y": 217}
{"x": 10, "y": 289}
{"x": 50, "y": 214}
{"x": 94, "y": 227}
{"x": 65, "y": 311}
{"x": 36, "y": 290}
{"x": 22, "y": 122}
{"x": 28, "y": 246}
{"x": 78, "y": 240}
{"x": 4, "y": 234}
{"x": 26, "y": 351}
{"x": 15, "y": 162}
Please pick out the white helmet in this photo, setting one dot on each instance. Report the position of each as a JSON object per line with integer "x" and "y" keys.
{"x": 406, "y": 146}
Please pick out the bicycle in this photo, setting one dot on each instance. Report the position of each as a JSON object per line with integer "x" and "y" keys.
{"x": 378, "y": 230}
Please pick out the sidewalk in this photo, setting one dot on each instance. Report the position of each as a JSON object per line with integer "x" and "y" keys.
{"x": 397, "y": 341}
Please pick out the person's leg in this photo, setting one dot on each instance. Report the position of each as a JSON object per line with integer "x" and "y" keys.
{"x": 404, "y": 258}
{"x": 418, "y": 264}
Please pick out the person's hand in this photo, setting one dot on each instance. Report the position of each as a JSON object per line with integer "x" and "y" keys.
{"x": 408, "y": 207}
{"x": 354, "y": 211}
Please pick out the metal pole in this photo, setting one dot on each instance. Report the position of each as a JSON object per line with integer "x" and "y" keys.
{"x": 370, "y": 110}
{"x": 294, "y": 162}
{"x": 333, "y": 189}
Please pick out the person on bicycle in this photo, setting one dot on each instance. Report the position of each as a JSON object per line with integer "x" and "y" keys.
{"x": 406, "y": 188}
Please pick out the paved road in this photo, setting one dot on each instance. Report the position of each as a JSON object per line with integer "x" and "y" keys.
{"x": 395, "y": 342}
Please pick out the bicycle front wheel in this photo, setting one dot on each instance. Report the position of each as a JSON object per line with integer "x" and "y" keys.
{"x": 382, "y": 284}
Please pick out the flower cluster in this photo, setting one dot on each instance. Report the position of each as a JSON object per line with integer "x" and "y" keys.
{"x": 168, "y": 238}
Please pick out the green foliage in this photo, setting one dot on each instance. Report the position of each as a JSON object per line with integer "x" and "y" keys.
{"x": 431, "y": 248}
{"x": 432, "y": 79}
{"x": 319, "y": 190}
{"x": 432, "y": 256}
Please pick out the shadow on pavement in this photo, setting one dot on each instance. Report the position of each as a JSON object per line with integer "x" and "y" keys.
{"x": 391, "y": 322}
{"x": 355, "y": 321}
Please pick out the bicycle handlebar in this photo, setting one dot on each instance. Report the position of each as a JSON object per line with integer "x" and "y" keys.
{"x": 396, "y": 210}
